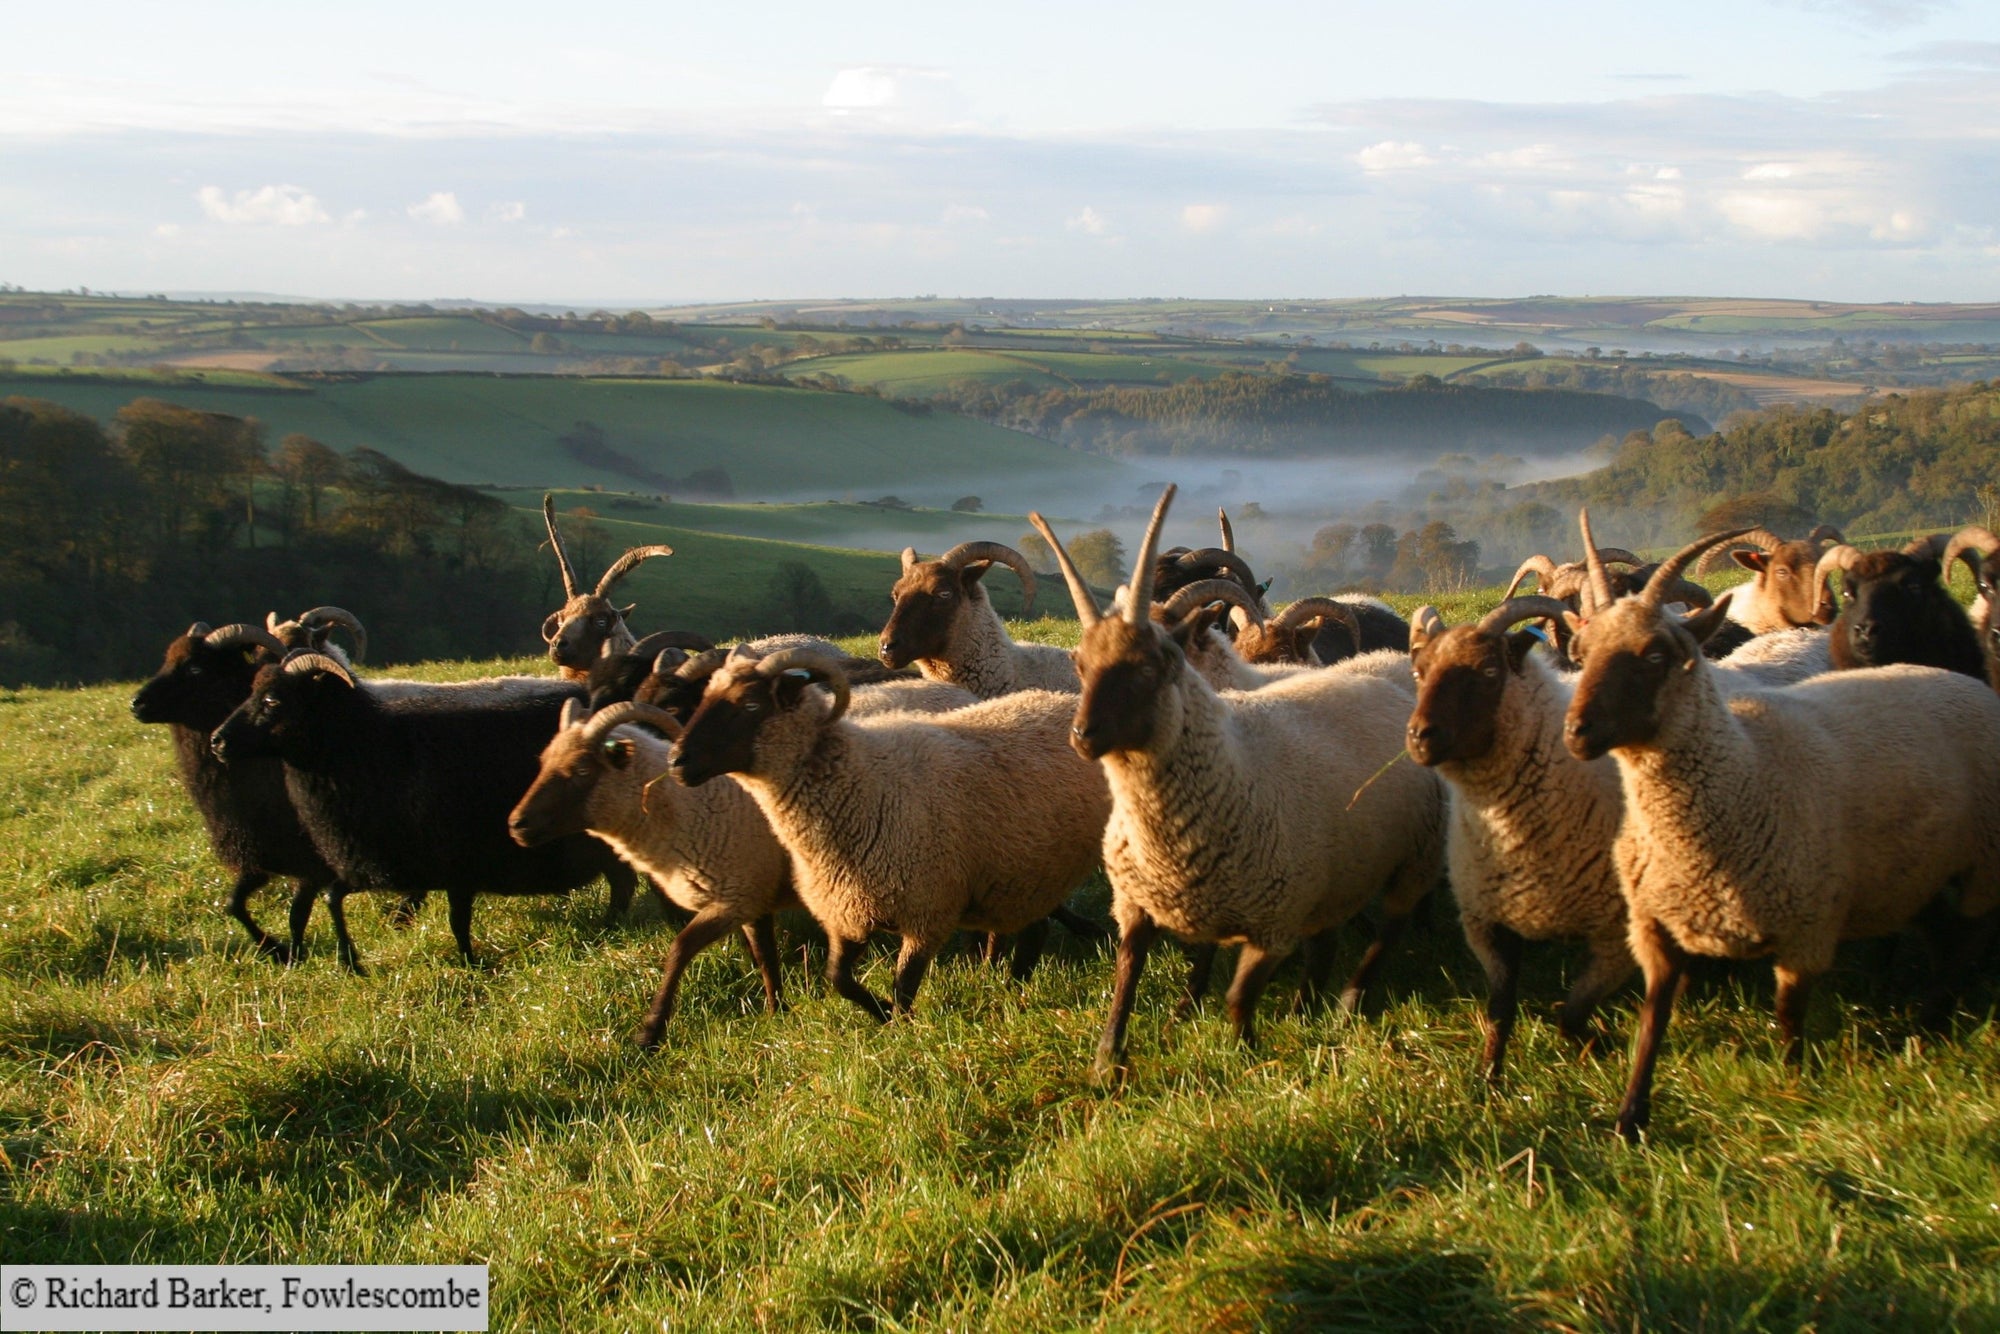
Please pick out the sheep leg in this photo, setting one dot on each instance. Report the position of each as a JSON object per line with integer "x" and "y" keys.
{"x": 303, "y": 894}
{"x": 709, "y": 925}
{"x": 1386, "y": 937}
{"x": 1499, "y": 951}
{"x": 1254, "y": 966}
{"x": 1319, "y": 952}
{"x": 1076, "y": 923}
{"x": 403, "y": 913}
{"x": 1960, "y": 946}
{"x": 460, "y": 901}
{"x": 1610, "y": 964}
{"x": 248, "y": 882}
{"x": 761, "y": 939}
{"x": 623, "y": 880}
{"x": 1794, "y": 989}
{"x": 1028, "y": 949}
{"x": 911, "y": 965}
{"x": 336, "y": 908}
{"x": 1664, "y": 962}
{"x": 841, "y": 956}
{"x": 1201, "y": 967}
{"x": 1133, "y": 941}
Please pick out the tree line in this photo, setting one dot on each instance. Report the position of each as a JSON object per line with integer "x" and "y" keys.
{"x": 114, "y": 538}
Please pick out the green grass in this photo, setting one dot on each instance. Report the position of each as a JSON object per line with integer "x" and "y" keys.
{"x": 928, "y": 371}
{"x": 166, "y": 1097}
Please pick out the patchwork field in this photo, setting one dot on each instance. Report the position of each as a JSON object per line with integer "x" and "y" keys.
{"x": 165, "y": 1096}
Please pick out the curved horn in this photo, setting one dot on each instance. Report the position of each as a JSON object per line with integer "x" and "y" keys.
{"x": 271, "y": 622}
{"x": 1204, "y": 591}
{"x": 1933, "y": 546}
{"x": 701, "y": 666}
{"x": 573, "y": 712}
{"x": 629, "y": 562}
{"x": 304, "y": 660}
{"x": 1825, "y": 532}
{"x": 1538, "y": 565}
{"x": 229, "y": 636}
{"x": 1669, "y": 573}
{"x": 1228, "y": 533}
{"x": 1515, "y": 610}
{"x": 1426, "y": 621}
{"x": 1761, "y": 538}
{"x": 1597, "y": 593}
{"x": 555, "y": 540}
{"x": 1087, "y": 612}
{"x": 817, "y": 667}
{"x": 347, "y": 620}
{"x": 631, "y": 711}
{"x": 1618, "y": 556}
{"x": 1222, "y": 559}
{"x": 1841, "y": 557}
{"x": 1139, "y": 605}
{"x": 965, "y": 553}
{"x": 1321, "y": 609}
{"x": 660, "y": 640}
{"x": 1966, "y": 540}
{"x": 199, "y": 630}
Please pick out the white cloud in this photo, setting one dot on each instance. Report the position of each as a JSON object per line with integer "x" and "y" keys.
{"x": 894, "y": 93}
{"x": 1874, "y": 13}
{"x": 440, "y": 208}
{"x": 955, "y": 214}
{"x": 1090, "y": 222}
{"x": 1203, "y": 218}
{"x": 166, "y": 231}
{"x": 1389, "y": 155}
{"x": 272, "y": 205}
{"x": 512, "y": 210}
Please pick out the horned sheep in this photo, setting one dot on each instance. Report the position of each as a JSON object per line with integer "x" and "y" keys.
{"x": 589, "y": 625}
{"x": 1977, "y": 547}
{"x": 945, "y": 625}
{"x": 1899, "y": 610}
{"x": 1715, "y": 859}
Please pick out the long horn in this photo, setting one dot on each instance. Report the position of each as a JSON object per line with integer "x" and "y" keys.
{"x": 652, "y": 645}
{"x": 1841, "y": 557}
{"x": 1204, "y": 591}
{"x": 1538, "y": 565}
{"x": 1321, "y": 609}
{"x": 1966, "y": 540}
{"x": 271, "y": 622}
{"x": 1597, "y": 594}
{"x": 817, "y": 667}
{"x": 965, "y": 553}
{"x": 627, "y": 563}
{"x": 701, "y": 666}
{"x": 1825, "y": 532}
{"x": 1087, "y": 612}
{"x": 1228, "y": 533}
{"x": 1222, "y": 559}
{"x": 1761, "y": 538}
{"x": 1933, "y": 546}
{"x": 1139, "y": 605}
{"x": 303, "y": 660}
{"x": 1669, "y": 573}
{"x": 346, "y": 619}
{"x": 631, "y": 711}
{"x": 555, "y": 540}
{"x": 1426, "y": 621}
{"x": 199, "y": 630}
{"x": 1618, "y": 556}
{"x": 1515, "y": 610}
{"x": 574, "y": 711}
{"x": 229, "y": 636}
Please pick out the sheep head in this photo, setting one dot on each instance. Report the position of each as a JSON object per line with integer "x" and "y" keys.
{"x": 1977, "y": 546}
{"x": 615, "y": 678}
{"x": 206, "y": 674}
{"x": 1127, "y": 663}
{"x": 278, "y": 719}
{"x": 1786, "y": 576}
{"x": 932, "y": 595}
{"x": 582, "y": 751}
{"x": 1179, "y": 568}
{"x": 1636, "y": 655}
{"x": 579, "y": 631}
{"x": 1462, "y": 673}
{"x": 748, "y": 695}
{"x": 314, "y": 629}
{"x": 1898, "y": 610}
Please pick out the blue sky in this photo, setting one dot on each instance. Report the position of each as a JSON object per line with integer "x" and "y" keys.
{"x": 1839, "y": 149}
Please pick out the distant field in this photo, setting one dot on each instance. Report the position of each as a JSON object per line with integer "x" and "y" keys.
{"x": 925, "y": 372}
{"x": 775, "y": 443}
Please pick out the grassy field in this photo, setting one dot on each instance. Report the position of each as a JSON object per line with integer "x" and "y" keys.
{"x": 775, "y": 443}
{"x": 166, "y": 1097}
{"x": 926, "y": 372}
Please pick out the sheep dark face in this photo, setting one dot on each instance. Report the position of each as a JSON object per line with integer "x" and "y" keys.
{"x": 1125, "y": 669}
{"x": 1899, "y": 611}
{"x": 577, "y": 633}
{"x": 198, "y": 685}
{"x": 1635, "y": 658}
{"x": 278, "y": 717}
{"x": 721, "y": 737}
{"x": 1461, "y": 678}
{"x": 557, "y": 803}
{"x": 930, "y": 597}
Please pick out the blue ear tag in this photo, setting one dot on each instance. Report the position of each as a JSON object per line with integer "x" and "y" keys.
{"x": 798, "y": 672}
{"x": 1540, "y": 634}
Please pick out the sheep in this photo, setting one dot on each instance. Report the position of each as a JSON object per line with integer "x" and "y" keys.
{"x": 588, "y": 625}
{"x": 1570, "y": 583}
{"x": 677, "y": 683}
{"x": 1530, "y": 827}
{"x": 314, "y": 630}
{"x": 614, "y": 678}
{"x": 1715, "y": 859}
{"x": 1264, "y": 650}
{"x": 1785, "y": 590}
{"x": 945, "y": 626}
{"x": 411, "y": 792}
{"x": 709, "y": 848}
{"x": 1231, "y": 818}
{"x": 252, "y": 828}
{"x": 981, "y": 818}
{"x": 1976, "y": 546}
{"x": 1898, "y": 610}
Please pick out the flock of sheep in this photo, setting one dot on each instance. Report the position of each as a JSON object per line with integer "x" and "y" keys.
{"x": 1616, "y": 758}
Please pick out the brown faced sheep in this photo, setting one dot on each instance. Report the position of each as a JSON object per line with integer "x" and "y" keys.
{"x": 945, "y": 626}
{"x": 1785, "y": 590}
{"x": 588, "y": 625}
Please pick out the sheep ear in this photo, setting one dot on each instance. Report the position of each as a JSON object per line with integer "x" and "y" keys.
{"x": 618, "y": 752}
{"x": 909, "y": 558}
{"x": 1703, "y": 624}
{"x": 626, "y": 610}
{"x": 1519, "y": 645}
{"x": 1758, "y": 561}
{"x": 1574, "y": 621}
{"x": 789, "y": 687}
{"x": 974, "y": 572}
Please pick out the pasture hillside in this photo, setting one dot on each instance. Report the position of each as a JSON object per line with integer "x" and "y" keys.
{"x": 774, "y": 443}
{"x": 166, "y": 1097}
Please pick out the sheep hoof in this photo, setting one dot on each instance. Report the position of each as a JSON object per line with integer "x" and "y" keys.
{"x": 1350, "y": 1000}
{"x": 1631, "y": 1125}
{"x": 1110, "y": 1069}
{"x": 646, "y": 1038}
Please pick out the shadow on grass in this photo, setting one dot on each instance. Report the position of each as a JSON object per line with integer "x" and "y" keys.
{"x": 98, "y": 1233}
{"x": 1369, "y": 1283}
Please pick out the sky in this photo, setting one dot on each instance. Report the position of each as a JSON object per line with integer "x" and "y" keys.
{"x": 627, "y": 154}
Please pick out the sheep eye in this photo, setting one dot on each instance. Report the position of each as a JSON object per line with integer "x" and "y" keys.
{"x": 598, "y": 623}
{"x": 751, "y": 706}
{"x": 944, "y": 595}
{"x": 194, "y": 669}
{"x": 1783, "y": 573}
{"x": 1656, "y": 657}
{"x": 1490, "y": 670}
{"x": 270, "y": 701}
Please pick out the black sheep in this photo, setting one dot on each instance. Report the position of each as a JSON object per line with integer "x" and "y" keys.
{"x": 411, "y": 793}
{"x": 1898, "y": 610}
